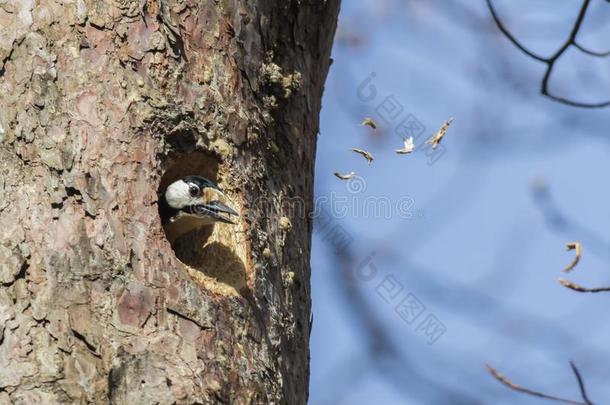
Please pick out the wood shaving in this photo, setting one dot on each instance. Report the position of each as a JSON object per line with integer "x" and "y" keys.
{"x": 436, "y": 138}
{"x": 364, "y": 153}
{"x": 346, "y": 176}
{"x": 408, "y": 146}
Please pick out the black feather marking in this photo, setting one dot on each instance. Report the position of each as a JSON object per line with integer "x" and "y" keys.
{"x": 201, "y": 182}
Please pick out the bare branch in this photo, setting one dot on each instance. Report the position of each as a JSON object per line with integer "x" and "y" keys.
{"x": 558, "y": 220}
{"x": 550, "y": 61}
{"x": 568, "y": 284}
{"x": 590, "y": 52}
{"x": 581, "y": 384}
{"x": 510, "y": 36}
{"x": 508, "y": 383}
{"x": 579, "y": 288}
{"x": 572, "y": 103}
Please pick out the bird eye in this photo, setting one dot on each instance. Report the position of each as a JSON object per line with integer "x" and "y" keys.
{"x": 194, "y": 190}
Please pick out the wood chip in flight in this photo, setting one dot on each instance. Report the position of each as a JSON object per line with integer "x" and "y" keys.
{"x": 408, "y": 148}
{"x": 346, "y": 176}
{"x": 369, "y": 122}
{"x": 436, "y": 138}
{"x": 367, "y": 155}
{"x": 578, "y": 248}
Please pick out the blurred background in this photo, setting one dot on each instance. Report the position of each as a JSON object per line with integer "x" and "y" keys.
{"x": 428, "y": 266}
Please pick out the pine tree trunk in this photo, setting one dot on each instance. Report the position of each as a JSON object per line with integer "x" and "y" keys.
{"x": 104, "y": 103}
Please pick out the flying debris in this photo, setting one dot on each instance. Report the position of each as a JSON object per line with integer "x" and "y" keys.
{"x": 436, "y": 138}
{"x": 364, "y": 153}
{"x": 578, "y": 248}
{"x": 408, "y": 148}
{"x": 573, "y": 286}
{"x": 345, "y": 176}
{"x": 369, "y": 123}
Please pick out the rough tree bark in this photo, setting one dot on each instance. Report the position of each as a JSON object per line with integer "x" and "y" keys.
{"x": 102, "y": 104}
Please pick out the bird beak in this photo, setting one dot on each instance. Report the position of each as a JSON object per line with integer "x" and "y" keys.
{"x": 217, "y": 206}
{"x": 216, "y": 209}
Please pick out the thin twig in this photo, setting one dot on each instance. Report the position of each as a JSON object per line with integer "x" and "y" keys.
{"x": 508, "y": 383}
{"x": 510, "y": 36}
{"x": 581, "y": 384}
{"x": 579, "y": 288}
{"x": 590, "y": 52}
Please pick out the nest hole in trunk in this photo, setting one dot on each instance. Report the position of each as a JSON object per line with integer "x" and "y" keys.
{"x": 214, "y": 255}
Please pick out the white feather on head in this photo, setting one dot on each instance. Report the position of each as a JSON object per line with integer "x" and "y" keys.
{"x": 178, "y": 195}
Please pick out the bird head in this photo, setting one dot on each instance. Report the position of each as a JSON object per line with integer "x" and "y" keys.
{"x": 199, "y": 197}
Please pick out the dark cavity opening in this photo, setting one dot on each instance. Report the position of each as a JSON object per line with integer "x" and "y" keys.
{"x": 210, "y": 252}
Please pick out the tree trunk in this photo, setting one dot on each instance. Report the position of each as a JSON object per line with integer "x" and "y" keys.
{"x": 102, "y": 105}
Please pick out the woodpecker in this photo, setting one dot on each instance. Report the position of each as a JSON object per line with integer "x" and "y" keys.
{"x": 191, "y": 203}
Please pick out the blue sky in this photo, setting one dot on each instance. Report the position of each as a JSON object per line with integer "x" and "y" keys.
{"x": 477, "y": 249}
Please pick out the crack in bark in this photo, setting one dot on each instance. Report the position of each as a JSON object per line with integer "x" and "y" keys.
{"x": 114, "y": 380}
{"x": 21, "y": 275}
{"x": 182, "y": 316}
{"x": 8, "y": 57}
{"x": 89, "y": 345}
{"x": 78, "y": 196}
{"x": 173, "y": 38}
